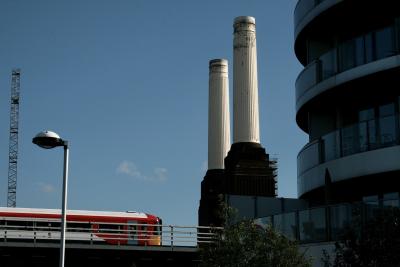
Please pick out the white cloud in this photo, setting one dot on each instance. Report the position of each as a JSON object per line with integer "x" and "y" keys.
{"x": 129, "y": 168}
{"x": 46, "y": 188}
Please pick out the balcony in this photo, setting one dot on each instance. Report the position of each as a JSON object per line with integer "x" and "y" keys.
{"x": 327, "y": 223}
{"x": 348, "y": 55}
{"x": 357, "y": 138}
{"x": 304, "y": 7}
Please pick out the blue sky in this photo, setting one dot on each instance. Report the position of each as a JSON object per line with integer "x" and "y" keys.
{"x": 126, "y": 82}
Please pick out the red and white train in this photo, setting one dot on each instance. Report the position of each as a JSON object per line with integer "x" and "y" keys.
{"x": 123, "y": 228}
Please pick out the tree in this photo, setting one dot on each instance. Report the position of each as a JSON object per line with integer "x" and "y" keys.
{"x": 247, "y": 244}
{"x": 373, "y": 243}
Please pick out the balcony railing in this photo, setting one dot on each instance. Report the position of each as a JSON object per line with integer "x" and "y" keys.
{"x": 355, "y": 52}
{"x": 327, "y": 223}
{"x": 303, "y": 7}
{"x": 356, "y": 138}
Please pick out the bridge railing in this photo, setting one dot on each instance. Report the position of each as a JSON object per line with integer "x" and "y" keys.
{"x": 120, "y": 234}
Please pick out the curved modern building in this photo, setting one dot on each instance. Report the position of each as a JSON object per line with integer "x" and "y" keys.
{"x": 348, "y": 99}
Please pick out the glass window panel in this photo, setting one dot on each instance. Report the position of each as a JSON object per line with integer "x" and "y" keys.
{"x": 363, "y": 133}
{"x": 347, "y": 55}
{"x": 350, "y": 140}
{"x": 387, "y": 127}
{"x": 367, "y": 138}
{"x": 366, "y": 114}
{"x": 328, "y": 64}
{"x": 384, "y": 42}
{"x": 286, "y": 224}
{"x": 308, "y": 158}
{"x": 372, "y": 133}
{"x": 245, "y": 206}
{"x": 391, "y": 199}
{"x": 306, "y": 79}
{"x": 371, "y": 206}
{"x": 312, "y": 225}
{"x": 340, "y": 220}
{"x": 394, "y": 195}
{"x": 369, "y": 48}
{"x": 359, "y": 51}
{"x": 331, "y": 148}
{"x": 386, "y": 110}
{"x": 391, "y": 203}
{"x": 373, "y": 200}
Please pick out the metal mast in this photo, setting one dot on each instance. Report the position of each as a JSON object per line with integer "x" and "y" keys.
{"x": 13, "y": 146}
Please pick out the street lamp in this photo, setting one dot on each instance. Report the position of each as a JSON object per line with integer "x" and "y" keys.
{"x": 48, "y": 140}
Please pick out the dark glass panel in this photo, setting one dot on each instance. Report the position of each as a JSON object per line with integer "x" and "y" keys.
{"x": 331, "y": 147}
{"x": 387, "y": 130}
{"x": 391, "y": 199}
{"x": 384, "y": 39}
{"x": 347, "y": 55}
{"x": 328, "y": 64}
{"x": 350, "y": 140}
{"x": 369, "y": 48}
{"x": 340, "y": 220}
{"x": 366, "y": 114}
{"x": 308, "y": 158}
{"x": 386, "y": 110}
{"x": 312, "y": 225}
{"x": 286, "y": 224}
{"x": 359, "y": 51}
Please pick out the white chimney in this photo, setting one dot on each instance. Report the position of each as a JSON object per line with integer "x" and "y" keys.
{"x": 219, "y": 140}
{"x": 245, "y": 82}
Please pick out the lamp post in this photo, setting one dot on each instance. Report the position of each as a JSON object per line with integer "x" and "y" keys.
{"x": 48, "y": 140}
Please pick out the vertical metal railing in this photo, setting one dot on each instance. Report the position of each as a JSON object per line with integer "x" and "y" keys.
{"x": 115, "y": 234}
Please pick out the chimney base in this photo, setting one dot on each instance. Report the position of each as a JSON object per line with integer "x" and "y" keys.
{"x": 249, "y": 171}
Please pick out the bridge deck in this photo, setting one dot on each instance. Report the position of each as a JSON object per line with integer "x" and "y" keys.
{"x": 47, "y": 255}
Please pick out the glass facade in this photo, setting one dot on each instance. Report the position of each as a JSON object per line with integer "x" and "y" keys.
{"x": 328, "y": 223}
{"x": 307, "y": 78}
{"x": 348, "y": 54}
{"x": 328, "y": 64}
{"x": 376, "y": 128}
{"x": 286, "y": 224}
{"x": 340, "y": 219}
{"x": 312, "y": 224}
{"x": 391, "y": 199}
{"x": 385, "y": 43}
{"x": 309, "y": 157}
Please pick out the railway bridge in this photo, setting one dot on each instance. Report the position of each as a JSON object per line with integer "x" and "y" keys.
{"x": 33, "y": 246}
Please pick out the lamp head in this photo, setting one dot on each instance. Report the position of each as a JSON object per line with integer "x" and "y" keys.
{"x": 48, "y": 139}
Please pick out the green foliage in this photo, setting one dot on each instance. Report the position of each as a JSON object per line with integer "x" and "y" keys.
{"x": 246, "y": 244}
{"x": 373, "y": 243}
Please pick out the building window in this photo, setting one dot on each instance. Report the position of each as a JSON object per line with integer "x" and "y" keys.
{"x": 385, "y": 45}
{"x": 391, "y": 199}
{"x": 328, "y": 64}
{"x": 369, "y": 48}
{"x": 340, "y": 220}
{"x": 312, "y": 225}
{"x": 387, "y": 124}
{"x": 367, "y": 129}
{"x": 286, "y": 224}
{"x": 347, "y": 55}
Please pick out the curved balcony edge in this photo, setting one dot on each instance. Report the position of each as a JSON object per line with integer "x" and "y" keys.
{"x": 304, "y": 95}
{"x": 345, "y": 168}
{"x": 304, "y": 15}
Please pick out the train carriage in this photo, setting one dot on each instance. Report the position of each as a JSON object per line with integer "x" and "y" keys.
{"x": 122, "y": 228}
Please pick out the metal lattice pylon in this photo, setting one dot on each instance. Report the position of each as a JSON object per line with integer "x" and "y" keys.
{"x": 13, "y": 146}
